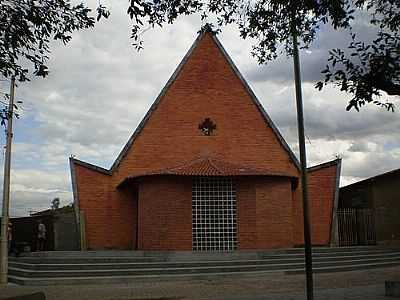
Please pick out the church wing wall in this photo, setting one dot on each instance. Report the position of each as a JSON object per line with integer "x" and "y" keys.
{"x": 110, "y": 215}
{"x": 323, "y": 185}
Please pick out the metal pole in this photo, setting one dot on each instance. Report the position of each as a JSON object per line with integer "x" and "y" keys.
{"x": 6, "y": 191}
{"x": 303, "y": 162}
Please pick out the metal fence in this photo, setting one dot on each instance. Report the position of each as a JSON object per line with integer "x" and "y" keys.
{"x": 356, "y": 226}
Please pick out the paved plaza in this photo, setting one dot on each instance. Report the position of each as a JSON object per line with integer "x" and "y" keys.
{"x": 368, "y": 284}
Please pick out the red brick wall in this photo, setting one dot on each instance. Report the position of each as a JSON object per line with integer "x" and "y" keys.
{"x": 274, "y": 213}
{"x": 246, "y": 211}
{"x": 206, "y": 87}
{"x": 269, "y": 212}
{"x": 322, "y": 185}
{"x": 263, "y": 208}
{"x": 165, "y": 213}
{"x": 321, "y": 189}
{"x": 124, "y": 218}
{"x": 93, "y": 191}
{"x": 110, "y": 215}
{"x": 265, "y": 217}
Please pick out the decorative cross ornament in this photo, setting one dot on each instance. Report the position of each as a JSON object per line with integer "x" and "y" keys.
{"x": 207, "y": 126}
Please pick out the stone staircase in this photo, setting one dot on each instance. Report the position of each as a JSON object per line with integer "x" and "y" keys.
{"x": 102, "y": 267}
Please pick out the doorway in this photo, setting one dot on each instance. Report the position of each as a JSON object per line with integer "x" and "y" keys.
{"x": 214, "y": 222}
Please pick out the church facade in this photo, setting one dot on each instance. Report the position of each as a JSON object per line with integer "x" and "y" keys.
{"x": 206, "y": 170}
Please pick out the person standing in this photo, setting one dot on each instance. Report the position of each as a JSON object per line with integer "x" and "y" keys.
{"x": 41, "y": 236}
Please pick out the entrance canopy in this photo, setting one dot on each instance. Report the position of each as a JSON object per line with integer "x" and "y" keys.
{"x": 207, "y": 166}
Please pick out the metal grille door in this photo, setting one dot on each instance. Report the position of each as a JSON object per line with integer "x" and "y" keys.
{"x": 356, "y": 226}
{"x": 213, "y": 214}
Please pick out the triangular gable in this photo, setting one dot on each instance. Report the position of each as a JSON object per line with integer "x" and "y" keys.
{"x": 172, "y": 79}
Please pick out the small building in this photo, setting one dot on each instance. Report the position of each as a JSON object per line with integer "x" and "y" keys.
{"x": 25, "y": 231}
{"x": 61, "y": 230}
{"x": 375, "y": 205}
{"x": 206, "y": 170}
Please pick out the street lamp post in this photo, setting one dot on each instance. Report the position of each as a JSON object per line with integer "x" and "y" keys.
{"x": 6, "y": 191}
{"x": 303, "y": 163}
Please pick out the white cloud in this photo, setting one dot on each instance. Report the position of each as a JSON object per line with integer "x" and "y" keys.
{"x": 100, "y": 88}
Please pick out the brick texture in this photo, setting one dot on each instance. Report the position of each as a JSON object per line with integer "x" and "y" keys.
{"x": 155, "y": 214}
{"x": 206, "y": 87}
{"x": 246, "y": 211}
{"x": 322, "y": 186}
{"x": 93, "y": 191}
{"x": 265, "y": 217}
{"x": 274, "y": 213}
{"x": 110, "y": 215}
{"x": 165, "y": 218}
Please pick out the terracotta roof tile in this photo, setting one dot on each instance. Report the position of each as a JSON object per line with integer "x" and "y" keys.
{"x": 208, "y": 167}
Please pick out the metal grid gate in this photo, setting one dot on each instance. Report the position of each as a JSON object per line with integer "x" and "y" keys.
{"x": 356, "y": 226}
{"x": 213, "y": 214}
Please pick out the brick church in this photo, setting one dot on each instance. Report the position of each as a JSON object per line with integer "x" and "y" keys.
{"x": 206, "y": 170}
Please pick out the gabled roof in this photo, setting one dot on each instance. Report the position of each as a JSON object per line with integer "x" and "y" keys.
{"x": 207, "y": 166}
{"x": 325, "y": 165}
{"x": 154, "y": 106}
{"x": 76, "y": 161}
{"x": 395, "y": 172}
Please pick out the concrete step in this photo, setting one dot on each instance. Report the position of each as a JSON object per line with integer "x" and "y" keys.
{"x": 85, "y": 260}
{"x": 346, "y": 268}
{"x": 55, "y": 269}
{"x": 98, "y": 280}
{"x": 332, "y": 253}
{"x": 193, "y": 268}
{"x": 220, "y": 257}
{"x": 99, "y": 265}
{"x": 55, "y": 257}
{"x": 140, "y": 253}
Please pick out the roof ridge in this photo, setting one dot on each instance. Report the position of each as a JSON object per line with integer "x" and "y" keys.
{"x": 372, "y": 178}
{"x": 93, "y": 167}
{"x": 324, "y": 164}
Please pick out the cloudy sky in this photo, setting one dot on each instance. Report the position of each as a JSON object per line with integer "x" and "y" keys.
{"x": 100, "y": 88}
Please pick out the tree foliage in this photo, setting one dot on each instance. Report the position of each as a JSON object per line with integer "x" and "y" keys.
{"x": 363, "y": 69}
{"x": 28, "y": 26}
{"x": 271, "y": 23}
{"x": 366, "y": 69}
{"x": 55, "y": 203}
{"x": 26, "y": 29}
